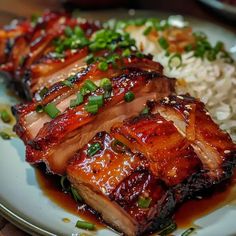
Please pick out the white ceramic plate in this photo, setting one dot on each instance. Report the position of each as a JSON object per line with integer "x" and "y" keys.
{"x": 24, "y": 203}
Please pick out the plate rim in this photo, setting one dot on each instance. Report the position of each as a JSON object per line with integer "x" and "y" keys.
{"x": 28, "y": 226}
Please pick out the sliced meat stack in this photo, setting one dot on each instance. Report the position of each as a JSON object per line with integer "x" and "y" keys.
{"x": 136, "y": 175}
{"x": 84, "y": 104}
{"x": 38, "y": 54}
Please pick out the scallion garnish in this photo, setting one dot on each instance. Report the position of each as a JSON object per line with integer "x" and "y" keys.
{"x": 129, "y": 96}
{"x": 39, "y": 108}
{"x": 6, "y": 118}
{"x": 90, "y": 85}
{"x": 118, "y": 146}
{"x": 103, "y": 66}
{"x": 147, "y": 30}
{"x": 93, "y": 149}
{"x": 67, "y": 83}
{"x": 75, "y": 195}
{"x": 126, "y": 52}
{"x": 144, "y": 111}
{"x": 93, "y": 109}
{"x": 51, "y": 110}
{"x": 79, "y": 100}
{"x": 85, "y": 225}
{"x": 175, "y": 61}
{"x": 163, "y": 42}
{"x": 96, "y": 100}
{"x": 168, "y": 230}
{"x": 4, "y": 135}
{"x": 188, "y": 231}
{"x": 65, "y": 185}
{"x": 105, "y": 83}
{"x": 68, "y": 31}
{"x": 89, "y": 59}
{"x": 144, "y": 202}
{"x": 43, "y": 92}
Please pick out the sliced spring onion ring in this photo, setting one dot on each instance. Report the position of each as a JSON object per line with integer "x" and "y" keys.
{"x": 175, "y": 61}
{"x": 144, "y": 202}
{"x": 85, "y": 225}
{"x": 51, "y": 110}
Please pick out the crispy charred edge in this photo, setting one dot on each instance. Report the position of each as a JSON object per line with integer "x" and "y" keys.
{"x": 47, "y": 136}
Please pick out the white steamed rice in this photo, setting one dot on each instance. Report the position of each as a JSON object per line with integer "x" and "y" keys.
{"x": 214, "y": 82}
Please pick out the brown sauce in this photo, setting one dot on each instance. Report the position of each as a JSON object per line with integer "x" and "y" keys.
{"x": 191, "y": 210}
{"x": 185, "y": 215}
{"x": 50, "y": 186}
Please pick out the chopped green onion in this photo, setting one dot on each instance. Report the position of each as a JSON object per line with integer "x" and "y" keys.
{"x": 6, "y": 118}
{"x": 75, "y": 195}
{"x": 39, "y": 108}
{"x": 67, "y": 83}
{"x": 65, "y": 185}
{"x": 118, "y": 146}
{"x": 84, "y": 90}
{"x": 105, "y": 83}
{"x": 103, "y": 66}
{"x": 96, "y": 100}
{"x": 144, "y": 111}
{"x": 78, "y": 31}
{"x": 168, "y": 230}
{"x": 139, "y": 55}
{"x": 147, "y": 30}
{"x": 163, "y": 42}
{"x": 51, "y": 110}
{"x": 129, "y": 96}
{"x": 79, "y": 100}
{"x": 68, "y": 31}
{"x": 175, "y": 61}
{"x": 92, "y": 108}
{"x": 85, "y": 225}
{"x": 188, "y": 48}
{"x": 4, "y": 135}
{"x": 90, "y": 85}
{"x": 93, "y": 149}
{"x": 89, "y": 59}
{"x": 43, "y": 92}
{"x": 126, "y": 52}
{"x": 188, "y": 231}
{"x": 144, "y": 202}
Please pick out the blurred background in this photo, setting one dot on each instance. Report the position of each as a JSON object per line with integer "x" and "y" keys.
{"x": 222, "y": 12}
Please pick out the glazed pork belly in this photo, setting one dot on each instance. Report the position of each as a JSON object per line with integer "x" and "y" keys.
{"x": 193, "y": 121}
{"x": 136, "y": 175}
{"x": 55, "y": 140}
{"x": 37, "y": 59}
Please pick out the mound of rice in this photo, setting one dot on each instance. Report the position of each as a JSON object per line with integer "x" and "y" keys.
{"x": 213, "y": 82}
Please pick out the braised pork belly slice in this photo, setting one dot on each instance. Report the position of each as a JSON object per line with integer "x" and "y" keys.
{"x": 171, "y": 156}
{"x": 115, "y": 181}
{"x": 59, "y": 138}
{"x": 50, "y": 70}
{"x": 213, "y": 146}
{"x": 29, "y": 121}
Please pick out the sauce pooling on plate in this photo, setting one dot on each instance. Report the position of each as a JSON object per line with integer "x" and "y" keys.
{"x": 185, "y": 216}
